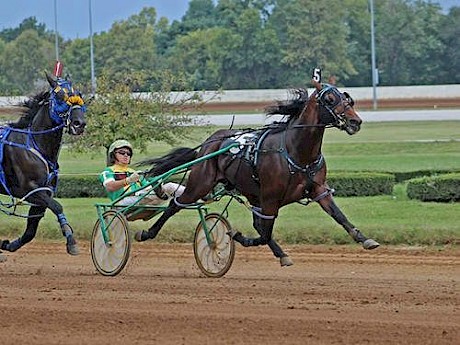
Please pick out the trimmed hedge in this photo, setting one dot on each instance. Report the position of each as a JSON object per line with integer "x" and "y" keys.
{"x": 344, "y": 183}
{"x": 361, "y": 183}
{"x": 442, "y": 188}
{"x": 408, "y": 175}
{"x": 78, "y": 186}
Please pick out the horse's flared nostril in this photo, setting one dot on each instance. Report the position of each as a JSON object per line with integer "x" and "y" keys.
{"x": 356, "y": 122}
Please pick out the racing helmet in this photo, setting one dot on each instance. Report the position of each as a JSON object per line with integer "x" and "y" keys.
{"x": 117, "y": 144}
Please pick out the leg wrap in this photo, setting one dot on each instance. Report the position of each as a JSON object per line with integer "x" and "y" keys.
{"x": 12, "y": 246}
{"x": 62, "y": 219}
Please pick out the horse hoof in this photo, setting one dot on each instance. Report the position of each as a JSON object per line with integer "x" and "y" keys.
{"x": 370, "y": 244}
{"x": 286, "y": 261}
{"x": 72, "y": 249}
{"x": 141, "y": 236}
{"x": 232, "y": 233}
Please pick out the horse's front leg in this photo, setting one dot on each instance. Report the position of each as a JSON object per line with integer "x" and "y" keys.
{"x": 43, "y": 199}
{"x": 36, "y": 213}
{"x": 328, "y": 204}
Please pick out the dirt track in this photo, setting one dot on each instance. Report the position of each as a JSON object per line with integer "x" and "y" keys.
{"x": 332, "y": 295}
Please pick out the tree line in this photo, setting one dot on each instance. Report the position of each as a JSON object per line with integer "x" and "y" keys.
{"x": 248, "y": 44}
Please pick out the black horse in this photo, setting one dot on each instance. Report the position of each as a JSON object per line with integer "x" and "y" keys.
{"x": 29, "y": 157}
{"x": 277, "y": 166}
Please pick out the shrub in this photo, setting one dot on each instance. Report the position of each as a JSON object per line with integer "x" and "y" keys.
{"x": 361, "y": 183}
{"x": 344, "y": 183}
{"x": 78, "y": 186}
{"x": 442, "y": 188}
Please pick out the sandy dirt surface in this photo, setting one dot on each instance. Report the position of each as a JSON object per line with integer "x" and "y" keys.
{"x": 332, "y": 295}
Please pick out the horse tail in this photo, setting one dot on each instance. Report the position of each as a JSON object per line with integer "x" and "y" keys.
{"x": 169, "y": 161}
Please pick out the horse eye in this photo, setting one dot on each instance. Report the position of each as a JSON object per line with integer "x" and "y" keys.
{"x": 330, "y": 100}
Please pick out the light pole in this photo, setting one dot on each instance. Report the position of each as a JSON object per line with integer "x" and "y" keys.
{"x": 56, "y": 40}
{"x": 374, "y": 69}
{"x": 93, "y": 80}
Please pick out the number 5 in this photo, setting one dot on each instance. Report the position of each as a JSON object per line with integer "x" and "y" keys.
{"x": 317, "y": 75}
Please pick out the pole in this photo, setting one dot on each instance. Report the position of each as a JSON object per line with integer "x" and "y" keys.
{"x": 374, "y": 69}
{"x": 56, "y": 40}
{"x": 93, "y": 79}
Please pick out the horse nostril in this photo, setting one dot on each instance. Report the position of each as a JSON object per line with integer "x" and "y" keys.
{"x": 78, "y": 124}
{"x": 355, "y": 122}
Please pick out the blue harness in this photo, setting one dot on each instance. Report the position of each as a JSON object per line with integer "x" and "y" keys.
{"x": 59, "y": 112}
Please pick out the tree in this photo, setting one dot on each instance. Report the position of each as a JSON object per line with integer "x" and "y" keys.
{"x": 450, "y": 59}
{"x": 313, "y": 35}
{"x": 24, "y": 61}
{"x": 407, "y": 42}
{"x": 128, "y": 47}
{"x": 140, "y": 118}
{"x": 30, "y": 23}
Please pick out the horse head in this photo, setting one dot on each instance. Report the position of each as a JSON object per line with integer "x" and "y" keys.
{"x": 66, "y": 105}
{"x": 336, "y": 108}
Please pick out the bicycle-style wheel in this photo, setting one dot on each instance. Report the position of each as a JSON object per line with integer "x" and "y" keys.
{"x": 110, "y": 258}
{"x": 214, "y": 258}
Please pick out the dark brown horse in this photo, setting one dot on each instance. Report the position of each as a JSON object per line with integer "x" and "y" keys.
{"x": 280, "y": 165}
{"x": 29, "y": 157}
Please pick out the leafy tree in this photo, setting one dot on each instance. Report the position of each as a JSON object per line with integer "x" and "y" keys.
{"x": 128, "y": 47}
{"x": 450, "y": 35}
{"x": 313, "y": 35}
{"x": 76, "y": 59}
{"x": 30, "y": 23}
{"x": 201, "y": 55}
{"x": 359, "y": 43}
{"x": 406, "y": 44}
{"x": 117, "y": 113}
{"x": 201, "y": 14}
{"x": 253, "y": 62}
{"x": 24, "y": 60}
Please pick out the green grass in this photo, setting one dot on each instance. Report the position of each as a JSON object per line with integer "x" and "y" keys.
{"x": 379, "y": 146}
{"x": 397, "y": 147}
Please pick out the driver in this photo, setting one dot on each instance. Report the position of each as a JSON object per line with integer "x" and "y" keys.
{"x": 118, "y": 178}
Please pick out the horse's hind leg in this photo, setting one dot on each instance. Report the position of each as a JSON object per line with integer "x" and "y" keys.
{"x": 285, "y": 260}
{"x": 36, "y": 213}
{"x": 265, "y": 228}
{"x": 153, "y": 231}
{"x": 328, "y": 205}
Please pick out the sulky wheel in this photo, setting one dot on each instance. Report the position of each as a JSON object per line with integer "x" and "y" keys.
{"x": 216, "y": 257}
{"x": 110, "y": 258}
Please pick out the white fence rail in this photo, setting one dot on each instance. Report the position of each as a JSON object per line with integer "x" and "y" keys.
{"x": 358, "y": 93}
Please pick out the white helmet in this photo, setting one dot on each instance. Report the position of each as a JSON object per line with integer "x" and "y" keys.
{"x": 117, "y": 144}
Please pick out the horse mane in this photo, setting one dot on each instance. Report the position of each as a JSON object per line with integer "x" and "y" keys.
{"x": 291, "y": 108}
{"x": 32, "y": 105}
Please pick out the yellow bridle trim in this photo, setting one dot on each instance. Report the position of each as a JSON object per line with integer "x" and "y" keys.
{"x": 75, "y": 100}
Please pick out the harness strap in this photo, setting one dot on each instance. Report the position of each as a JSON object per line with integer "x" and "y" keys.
{"x": 257, "y": 212}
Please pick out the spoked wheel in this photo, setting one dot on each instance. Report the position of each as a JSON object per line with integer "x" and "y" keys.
{"x": 110, "y": 258}
{"x": 214, "y": 257}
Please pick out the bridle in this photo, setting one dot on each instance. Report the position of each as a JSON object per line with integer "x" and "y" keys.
{"x": 328, "y": 106}
{"x": 63, "y": 101}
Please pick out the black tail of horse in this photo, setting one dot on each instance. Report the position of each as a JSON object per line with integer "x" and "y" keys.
{"x": 169, "y": 161}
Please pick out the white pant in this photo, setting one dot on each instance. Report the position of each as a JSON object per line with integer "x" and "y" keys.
{"x": 171, "y": 189}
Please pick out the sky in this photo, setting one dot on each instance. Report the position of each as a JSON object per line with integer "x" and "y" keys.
{"x": 73, "y": 15}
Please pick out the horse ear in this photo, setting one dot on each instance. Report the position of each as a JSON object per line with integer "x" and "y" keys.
{"x": 316, "y": 79}
{"x": 51, "y": 81}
